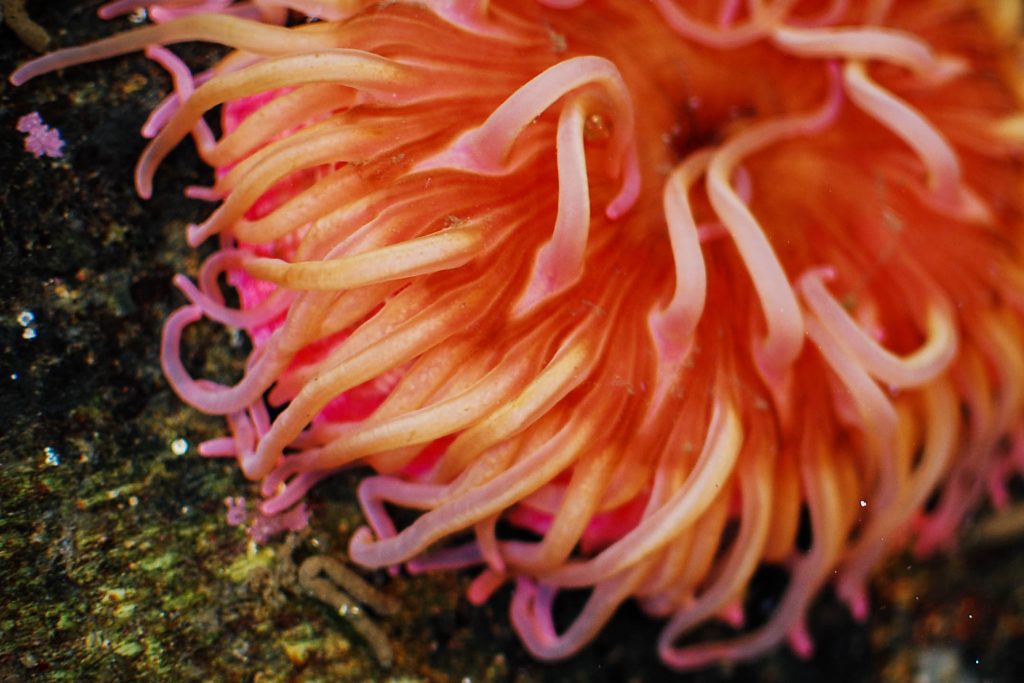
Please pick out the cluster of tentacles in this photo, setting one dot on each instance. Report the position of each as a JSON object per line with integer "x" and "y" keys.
{"x": 646, "y": 283}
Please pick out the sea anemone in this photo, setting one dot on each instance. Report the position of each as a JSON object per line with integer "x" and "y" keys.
{"x": 630, "y": 297}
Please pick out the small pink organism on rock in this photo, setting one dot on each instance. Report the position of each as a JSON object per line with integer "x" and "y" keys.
{"x": 40, "y": 139}
{"x": 261, "y": 527}
{"x": 237, "y": 514}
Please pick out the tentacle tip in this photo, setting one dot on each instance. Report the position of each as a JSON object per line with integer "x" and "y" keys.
{"x": 206, "y": 194}
{"x": 800, "y": 641}
{"x": 615, "y": 211}
{"x": 826, "y": 273}
{"x": 972, "y": 208}
{"x": 947, "y": 68}
{"x": 194, "y": 235}
{"x": 540, "y": 289}
{"x": 216, "y": 448}
{"x": 253, "y": 469}
{"x": 734, "y": 616}
{"x": 774, "y": 365}
{"x": 856, "y": 599}
{"x": 108, "y": 10}
{"x": 631, "y": 186}
{"x": 269, "y": 508}
{"x": 477, "y": 599}
{"x": 673, "y": 338}
{"x": 189, "y": 290}
{"x": 144, "y": 188}
{"x": 20, "y": 76}
{"x": 626, "y": 199}
{"x": 362, "y": 538}
{"x": 484, "y": 585}
{"x": 815, "y": 274}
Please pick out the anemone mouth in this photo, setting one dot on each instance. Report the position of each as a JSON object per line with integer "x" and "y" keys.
{"x": 646, "y": 280}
